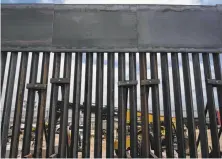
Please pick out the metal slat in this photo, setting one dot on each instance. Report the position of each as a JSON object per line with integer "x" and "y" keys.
{"x": 87, "y": 106}
{"x": 41, "y": 108}
{"x": 110, "y": 105}
{"x": 19, "y": 106}
{"x": 7, "y": 85}
{"x": 150, "y": 82}
{"x": 53, "y": 104}
{"x": 3, "y": 63}
{"x": 7, "y": 77}
{"x": 8, "y": 103}
{"x": 189, "y": 105}
{"x": 218, "y": 76}
{"x": 76, "y": 106}
{"x": 127, "y": 83}
{"x": 205, "y": 113}
{"x": 178, "y": 106}
{"x": 45, "y": 131}
{"x": 211, "y": 107}
{"x": 214, "y": 83}
{"x": 155, "y": 105}
{"x": 99, "y": 106}
{"x": 133, "y": 106}
{"x": 144, "y": 91}
{"x": 200, "y": 105}
{"x": 64, "y": 116}
{"x": 30, "y": 106}
{"x": 60, "y": 81}
{"x": 37, "y": 86}
{"x": 121, "y": 108}
{"x": 167, "y": 105}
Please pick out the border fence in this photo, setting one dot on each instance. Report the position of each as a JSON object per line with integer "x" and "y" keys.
{"x": 146, "y": 57}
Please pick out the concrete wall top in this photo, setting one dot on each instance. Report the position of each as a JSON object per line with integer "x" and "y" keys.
{"x": 111, "y": 28}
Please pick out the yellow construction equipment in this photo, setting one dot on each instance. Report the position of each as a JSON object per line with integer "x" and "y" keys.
{"x": 150, "y": 119}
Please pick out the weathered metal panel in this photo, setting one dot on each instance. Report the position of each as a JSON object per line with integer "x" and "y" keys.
{"x": 97, "y": 28}
{"x": 94, "y": 29}
{"x": 183, "y": 27}
{"x": 26, "y": 27}
{"x": 219, "y": 9}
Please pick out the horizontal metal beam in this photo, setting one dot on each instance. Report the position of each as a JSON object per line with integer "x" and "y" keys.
{"x": 127, "y": 83}
{"x": 37, "y": 86}
{"x": 111, "y": 28}
{"x": 150, "y": 82}
{"x": 60, "y": 81}
{"x": 214, "y": 82}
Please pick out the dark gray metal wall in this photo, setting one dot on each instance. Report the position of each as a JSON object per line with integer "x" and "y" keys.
{"x": 111, "y": 28}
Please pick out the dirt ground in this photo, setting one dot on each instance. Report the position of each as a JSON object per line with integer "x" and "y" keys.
{"x": 209, "y": 141}
{"x": 104, "y": 146}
